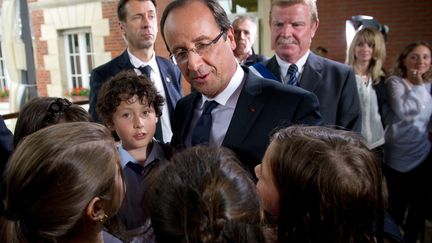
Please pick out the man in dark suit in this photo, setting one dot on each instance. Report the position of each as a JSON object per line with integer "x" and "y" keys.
{"x": 293, "y": 25}
{"x": 138, "y": 23}
{"x": 245, "y": 31}
{"x": 246, "y": 108}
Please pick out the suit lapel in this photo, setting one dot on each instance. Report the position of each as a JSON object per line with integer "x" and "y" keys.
{"x": 311, "y": 75}
{"x": 167, "y": 80}
{"x": 246, "y": 112}
{"x": 187, "y": 114}
{"x": 124, "y": 62}
{"x": 273, "y": 66}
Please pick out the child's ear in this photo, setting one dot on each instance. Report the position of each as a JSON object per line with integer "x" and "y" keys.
{"x": 110, "y": 126}
{"x": 95, "y": 211}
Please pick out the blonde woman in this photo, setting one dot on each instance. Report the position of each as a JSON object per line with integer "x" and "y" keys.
{"x": 366, "y": 54}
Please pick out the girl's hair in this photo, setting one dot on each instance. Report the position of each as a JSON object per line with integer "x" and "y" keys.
{"x": 374, "y": 39}
{"x": 41, "y": 112}
{"x": 399, "y": 68}
{"x": 52, "y": 176}
{"x": 330, "y": 186}
{"x": 204, "y": 195}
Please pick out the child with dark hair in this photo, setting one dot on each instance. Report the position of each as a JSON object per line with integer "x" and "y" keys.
{"x": 203, "y": 194}
{"x": 322, "y": 185}
{"x": 41, "y": 112}
{"x": 130, "y": 106}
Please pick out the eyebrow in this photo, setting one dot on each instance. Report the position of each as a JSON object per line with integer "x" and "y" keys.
{"x": 194, "y": 41}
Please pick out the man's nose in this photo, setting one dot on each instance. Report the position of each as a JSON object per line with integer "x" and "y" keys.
{"x": 194, "y": 60}
{"x": 287, "y": 30}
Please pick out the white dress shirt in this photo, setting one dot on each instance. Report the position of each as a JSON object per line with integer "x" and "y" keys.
{"x": 222, "y": 114}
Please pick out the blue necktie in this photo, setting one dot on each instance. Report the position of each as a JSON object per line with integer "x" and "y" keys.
{"x": 146, "y": 70}
{"x": 292, "y": 71}
{"x": 201, "y": 132}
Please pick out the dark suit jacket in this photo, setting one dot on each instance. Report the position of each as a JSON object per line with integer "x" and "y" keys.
{"x": 6, "y": 146}
{"x": 254, "y": 58}
{"x": 170, "y": 75}
{"x": 335, "y": 86}
{"x": 262, "y": 106}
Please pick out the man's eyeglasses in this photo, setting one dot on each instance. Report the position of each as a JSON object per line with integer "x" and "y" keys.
{"x": 180, "y": 56}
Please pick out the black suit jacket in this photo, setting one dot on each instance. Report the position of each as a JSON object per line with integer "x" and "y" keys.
{"x": 254, "y": 58}
{"x": 263, "y": 105}
{"x": 170, "y": 75}
{"x": 6, "y": 145}
{"x": 335, "y": 86}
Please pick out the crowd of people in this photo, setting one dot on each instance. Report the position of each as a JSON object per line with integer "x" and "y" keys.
{"x": 293, "y": 148}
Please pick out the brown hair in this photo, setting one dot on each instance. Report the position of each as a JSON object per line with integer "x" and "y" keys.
{"x": 123, "y": 87}
{"x": 375, "y": 39}
{"x": 204, "y": 195}
{"x": 215, "y": 8}
{"x": 330, "y": 186}
{"x": 41, "y": 112}
{"x": 52, "y": 176}
{"x": 399, "y": 68}
{"x": 121, "y": 8}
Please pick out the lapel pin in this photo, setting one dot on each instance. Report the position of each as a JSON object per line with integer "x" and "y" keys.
{"x": 252, "y": 109}
{"x": 168, "y": 79}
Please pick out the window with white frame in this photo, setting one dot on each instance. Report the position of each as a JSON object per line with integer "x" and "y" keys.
{"x": 4, "y": 86}
{"x": 78, "y": 48}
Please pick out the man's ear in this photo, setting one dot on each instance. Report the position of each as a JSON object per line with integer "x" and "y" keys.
{"x": 230, "y": 35}
{"x": 122, "y": 27}
{"x": 95, "y": 211}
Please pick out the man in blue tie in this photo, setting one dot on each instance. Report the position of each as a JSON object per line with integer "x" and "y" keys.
{"x": 138, "y": 24}
{"x": 230, "y": 106}
{"x": 293, "y": 25}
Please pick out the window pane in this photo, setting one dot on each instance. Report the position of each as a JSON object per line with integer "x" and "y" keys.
{"x": 78, "y": 65}
{"x": 72, "y": 63}
{"x": 90, "y": 62}
{"x": 80, "y": 58}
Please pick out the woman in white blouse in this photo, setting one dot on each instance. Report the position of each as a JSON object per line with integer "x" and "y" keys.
{"x": 366, "y": 55}
{"x": 407, "y": 151}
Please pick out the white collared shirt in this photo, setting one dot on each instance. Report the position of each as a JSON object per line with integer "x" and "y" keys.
{"x": 222, "y": 114}
{"x": 157, "y": 80}
{"x": 283, "y": 66}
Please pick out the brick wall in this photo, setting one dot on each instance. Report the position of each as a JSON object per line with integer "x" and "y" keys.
{"x": 114, "y": 43}
{"x": 408, "y": 20}
{"x": 43, "y": 76}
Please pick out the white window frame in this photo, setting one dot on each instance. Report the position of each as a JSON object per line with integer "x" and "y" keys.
{"x": 79, "y": 76}
{"x": 4, "y": 79}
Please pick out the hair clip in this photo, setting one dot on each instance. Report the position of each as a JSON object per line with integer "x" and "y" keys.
{"x": 55, "y": 108}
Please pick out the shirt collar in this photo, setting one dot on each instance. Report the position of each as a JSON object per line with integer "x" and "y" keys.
{"x": 136, "y": 62}
{"x": 233, "y": 85}
{"x": 283, "y": 65}
{"x": 155, "y": 154}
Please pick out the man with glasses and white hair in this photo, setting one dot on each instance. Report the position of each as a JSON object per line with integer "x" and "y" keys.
{"x": 230, "y": 106}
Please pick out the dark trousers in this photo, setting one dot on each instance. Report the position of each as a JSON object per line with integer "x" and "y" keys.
{"x": 408, "y": 193}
